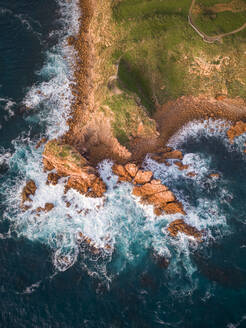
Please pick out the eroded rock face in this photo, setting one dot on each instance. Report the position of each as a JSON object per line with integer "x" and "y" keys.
{"x": 29, "y": 190}
{"x": 236, "y": 130}
{"x": 67, "y": 161}
{"x": 180, "y": 226}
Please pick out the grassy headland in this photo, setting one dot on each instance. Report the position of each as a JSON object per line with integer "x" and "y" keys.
{"x": 140, "y": 54}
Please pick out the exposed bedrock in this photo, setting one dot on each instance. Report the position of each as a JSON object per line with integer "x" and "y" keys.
{"x": 68, "y": 162}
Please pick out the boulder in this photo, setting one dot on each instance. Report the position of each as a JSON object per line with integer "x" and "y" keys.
{"x": 29, "y": 190}
{"x": 47, "y": 207}
{"x": 132, "y": 169}
{"x": 173, "y": 208}
{"x": 52, "y": 178}
{"x": 160, "y": 199}
{"x": 148, "y": 189}
{"x": 175, "y": 154}
{"x": 181, "y": 166}
{"x": 122, "y": 173}
{"x": 191, "y": 174}
{"x": 236, "y": 130}
{"x": 214, "y": 175}
{"x": 180, "y": 226}
{"x": 143, "y": 177}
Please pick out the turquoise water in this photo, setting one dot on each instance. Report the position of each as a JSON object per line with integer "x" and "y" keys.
{"x": 47, "y": 278}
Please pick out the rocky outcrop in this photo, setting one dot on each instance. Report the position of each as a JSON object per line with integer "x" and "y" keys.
{"x": 214, "y": 175}
{"x": 41, "y": 142}
{"x": 132, "y": 169}
{"x": 143, "y": 177}
{"x": 67, "y": 161}
{"x": 122, "y": 173}
{"x": 167, "y": 153}
{"x": 181, "y": 166}
{"x": 236, "y": 130}
{"x": 28, "y": 191}
{"x": 47, "y": 208}
{"x": 181, "y": 226}
{"x": 150, "y": 191}
{"x": 52, "y": 179}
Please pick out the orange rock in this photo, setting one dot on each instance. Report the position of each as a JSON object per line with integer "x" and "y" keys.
{"x": 175, "y": 154}
{"x": 48, "y": 207}
{"x": 132, "y": 169}
{"x": 191, "y": 174}
{"x": 121, "y": 172}
{"x": 78, "y": 184}
{"x": 173, "y": 208}
{"x": 148, "y": 189}
{"x": 40, "y": 142}
{"x": 160, "y": 199}
{"x": 236, "y": 130}
{"x": 29, "y": 189}
{"x": 52, "y": 178}
{"x": 181, "y": 166}
{"x": 98, "y": 188}
{"x": 180, "y": 226}
{"x": 47, "y": 165}
{"x": 143, "y": 177}
{"x": 214, "y": 175}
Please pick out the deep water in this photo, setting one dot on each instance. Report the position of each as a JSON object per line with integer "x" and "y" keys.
{"x": 47, "y": 279}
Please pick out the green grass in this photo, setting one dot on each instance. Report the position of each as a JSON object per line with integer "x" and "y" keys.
{"x": 217, "y": 23}
{"x": 158, "y": 56}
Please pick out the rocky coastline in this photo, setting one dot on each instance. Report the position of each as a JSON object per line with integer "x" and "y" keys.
{"x": 90, "y": 139}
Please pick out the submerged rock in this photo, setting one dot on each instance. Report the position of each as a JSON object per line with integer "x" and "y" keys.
{"x": 181, "y": 166}
{"x": 180, "y": 226}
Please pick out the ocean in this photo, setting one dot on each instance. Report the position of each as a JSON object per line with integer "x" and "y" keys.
{"x": 47, "y": 278}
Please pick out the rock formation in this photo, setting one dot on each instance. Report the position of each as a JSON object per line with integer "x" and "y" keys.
{"x": 150, "y": 191}
{"x": 180, "y": 226}
{"x": 68, "y": 162}
{"x": 236, "y": 130}
{"x": 28, "y": 191}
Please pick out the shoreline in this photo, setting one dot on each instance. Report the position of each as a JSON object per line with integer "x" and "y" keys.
{"x": 90, "y": 133}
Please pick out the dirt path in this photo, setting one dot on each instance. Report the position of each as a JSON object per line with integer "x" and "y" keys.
{"x": 205, "y": 37}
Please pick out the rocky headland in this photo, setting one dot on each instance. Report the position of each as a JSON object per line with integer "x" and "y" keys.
{"x": 122, "y": 114}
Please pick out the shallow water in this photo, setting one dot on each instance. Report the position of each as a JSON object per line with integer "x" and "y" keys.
{"x": 47, "y": 278}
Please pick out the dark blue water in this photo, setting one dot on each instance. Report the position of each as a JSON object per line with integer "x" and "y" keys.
{"x": 204, "y": 285}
